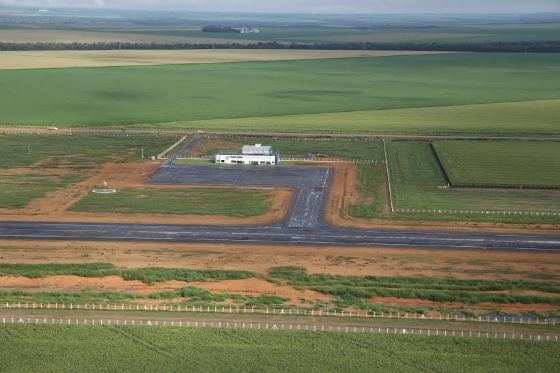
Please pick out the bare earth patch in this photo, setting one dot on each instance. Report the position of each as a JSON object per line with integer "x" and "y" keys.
{"x": 62, "y": 59}
{"x": 255, "y": 287}
{"x": 77, "y": 283}
{"x": 367, "y": 261}
{"x": 251, "y": 287}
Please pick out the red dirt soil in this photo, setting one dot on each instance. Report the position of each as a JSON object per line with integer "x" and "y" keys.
{"x": 252, "y": 286}
{"x": 358, "y": 261}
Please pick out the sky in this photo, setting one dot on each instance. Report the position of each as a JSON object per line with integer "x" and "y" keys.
{"x": 311, "y": 6}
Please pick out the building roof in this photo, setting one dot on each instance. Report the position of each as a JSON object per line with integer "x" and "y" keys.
{"x": 257, "y": 149}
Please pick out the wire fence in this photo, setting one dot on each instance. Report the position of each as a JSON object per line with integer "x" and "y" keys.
{"x": 274, "y": 326}
{"x": 476, "y": 212}
{"x": 501, "y": 319}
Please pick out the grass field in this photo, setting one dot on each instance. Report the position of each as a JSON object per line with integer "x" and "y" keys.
{"x": 418, "y": 182}
{"x": 134, "y": 349}
{"x": 61, "y": 59}
{"x": 53, "y": 162}
{"x": 194, "y": 201}
{"x": 527, "y": 117}
{"x": 496, "y": 163}
{"x": 448, "y": 33}
{"x": 181, "y": 93}
{"x": 299, "y": 29}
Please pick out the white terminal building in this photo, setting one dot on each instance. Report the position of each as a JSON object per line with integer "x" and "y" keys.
{"x": 254, "y": 155}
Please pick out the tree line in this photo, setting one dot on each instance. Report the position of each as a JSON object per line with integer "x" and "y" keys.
{"x": 523, "y": 47}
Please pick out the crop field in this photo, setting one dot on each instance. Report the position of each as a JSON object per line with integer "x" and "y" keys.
{"x": 508, "y": 164}
{"x": 463, "y": 33}
{"x": 371, "y": 150}
{"x": 525, "y": 117}
{"x": 31, "y": 166}
{"x": 133, "y": 349}
{"x": 100, "y": 58}
{"x": 176, "y": 95}
{"x": 418, "y": 182}
{"x": 193, "y": 201}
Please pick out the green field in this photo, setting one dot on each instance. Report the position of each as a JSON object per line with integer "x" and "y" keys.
{"x": 54, "y": 162}
{"x": 193, "y": 201}
{"x": 463, "y": 33}
{"x": 527, "y": 117}
{"x": 501, "y": 163}
{"x": 176, "y": 95}
{"x": 144, "y": 349}
{"x": 418, "y": 182}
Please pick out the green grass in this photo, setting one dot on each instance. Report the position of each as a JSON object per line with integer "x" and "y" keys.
{"x": 75, "y": 151}
{"x": 355, "y": 291}
{"x": 197, "y": 296}
{"x": 73, "y": 155}
{"x": 447, "y": 33}
{"x": 147, "y": 275}
{"x": 193, "y": 201}
{"x": 144, "y": 95}
{"x": 372, "y": 187}
{"x": 501, "y": 163}
{"x": 528, "y": 117}
{"x": 30, "y": 348}
{"x": 82, "y": 297}
{"x": 418, "y": 183}
{"x": 16, "y": 191}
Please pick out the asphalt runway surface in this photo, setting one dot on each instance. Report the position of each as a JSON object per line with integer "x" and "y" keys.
{"x": 311, "y": 185}
{"x": 303, "y": 226}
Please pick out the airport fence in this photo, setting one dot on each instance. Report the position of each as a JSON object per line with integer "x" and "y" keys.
{"x": 476, "y": 212}
{"x": 276, "y": 326}
{"x": 504, "y": 319}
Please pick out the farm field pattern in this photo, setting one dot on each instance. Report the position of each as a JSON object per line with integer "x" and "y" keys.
{"x": 181, "y": 93}
{"x": 144, "y": 348}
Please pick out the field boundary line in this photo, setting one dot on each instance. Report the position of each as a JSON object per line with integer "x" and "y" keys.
{"x": 441, "y": 167}
{"x": 278, "y": 326}
{"x": 389, "y": 186}
{"x": 278, "y": 312}
{"x": 14, "y": 129}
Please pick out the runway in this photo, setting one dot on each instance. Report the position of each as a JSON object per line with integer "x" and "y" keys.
{"x": 277, "y": 235}
{"x": 304, "y": 224}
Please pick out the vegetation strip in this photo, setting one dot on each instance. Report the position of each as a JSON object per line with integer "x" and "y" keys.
{"x": 275, "y": 90}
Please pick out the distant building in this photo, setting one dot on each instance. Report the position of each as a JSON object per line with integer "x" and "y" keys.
{"x": 225, "y": 29}
{"x": 249, "y": 30}
{"x": 254, "y": 155}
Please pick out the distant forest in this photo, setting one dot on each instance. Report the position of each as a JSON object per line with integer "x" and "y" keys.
{"x": 525, "y": 47}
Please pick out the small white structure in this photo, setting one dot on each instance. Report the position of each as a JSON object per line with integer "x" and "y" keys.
{"x": 254, "y": 155}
